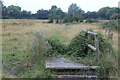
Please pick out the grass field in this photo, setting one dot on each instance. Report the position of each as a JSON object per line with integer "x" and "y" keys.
{"x": 17, "y": 36}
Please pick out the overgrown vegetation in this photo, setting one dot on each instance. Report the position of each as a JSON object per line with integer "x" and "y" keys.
{"x": 78, "y": 45}
{"x": 78, "y": 49}
{"x": 27, "y": 61}
{"x": 92, "y": 20}
{"x": 57, "y": 47}
{"x": 112, "y": 25}
{"x": 37, "y": 58}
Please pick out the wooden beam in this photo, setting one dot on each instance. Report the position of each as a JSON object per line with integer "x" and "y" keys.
{"x": 84, "y": 30}
{"x": 97, "y": 50}
{"x": 86, "y": 77}
{"x": 89, "y": 32}
{"x": 92, "y": 47}
{"x": 72, "y": 67}
{"x": 93, "y": 33}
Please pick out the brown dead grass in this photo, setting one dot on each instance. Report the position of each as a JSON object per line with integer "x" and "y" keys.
{"x": 21, "y": 32}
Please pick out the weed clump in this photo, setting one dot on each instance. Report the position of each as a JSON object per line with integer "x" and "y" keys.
{"x": 78, "y": 46}
{"x": 37, "y": 57}
{"x": 57, "y": 47}
{"x": 113, "y": 24}
{"x": 38, "y": 49}
{"x": 107, "y": 55}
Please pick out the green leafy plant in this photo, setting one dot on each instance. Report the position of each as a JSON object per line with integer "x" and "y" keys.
{"x": 92, "y": 20}
{"x": 56, "y": 46}
{"x": 113, "y": 24}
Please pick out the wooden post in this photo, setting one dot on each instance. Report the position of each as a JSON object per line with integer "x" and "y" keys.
{"x": 89, "y": 37}
{"x": 97, "y": 48}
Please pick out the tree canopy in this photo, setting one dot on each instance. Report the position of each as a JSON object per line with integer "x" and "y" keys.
{"x": 75, "y": 13}
{"x": 107, "y": 12}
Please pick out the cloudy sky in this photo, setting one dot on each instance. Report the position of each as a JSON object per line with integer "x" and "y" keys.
{"x": 87, "y": 5}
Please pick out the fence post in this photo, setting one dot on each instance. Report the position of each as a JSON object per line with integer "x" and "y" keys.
{"x": 97, "y": 48}
{"x": 89, "y": 37}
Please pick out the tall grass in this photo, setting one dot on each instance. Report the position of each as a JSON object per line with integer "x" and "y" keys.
{"x": 37, "y": 58}
{"x": 17, "y": 40}
{"x": 38, "y": 49}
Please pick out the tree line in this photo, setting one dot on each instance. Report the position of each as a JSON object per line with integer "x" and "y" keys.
{"x": 74, "y": 13}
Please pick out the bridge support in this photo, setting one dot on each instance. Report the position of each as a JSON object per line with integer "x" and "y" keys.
{"x": 96, "y": 46}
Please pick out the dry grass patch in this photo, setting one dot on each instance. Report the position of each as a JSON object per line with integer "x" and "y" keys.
{"x": 17, "y": 35}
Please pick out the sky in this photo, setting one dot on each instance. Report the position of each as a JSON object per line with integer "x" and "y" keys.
{"x": 86, "y": 5}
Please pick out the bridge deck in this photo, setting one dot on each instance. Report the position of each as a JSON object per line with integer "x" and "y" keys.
{"x": 62, "y": 63}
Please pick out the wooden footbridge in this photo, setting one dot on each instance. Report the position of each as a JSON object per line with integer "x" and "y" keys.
{"x": 64, "y": 68}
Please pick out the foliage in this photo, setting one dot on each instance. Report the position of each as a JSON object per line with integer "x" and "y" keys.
{"x": 37, "y": 71}
{"x": 115, "y": 16}
{"x": 42, "y": 14}
{"x": 56, "y": 46}
{"x": 37, "y": 58}
{"x": 25, "y": 14}
{"x": 55, "y": 13}
{"x": 74, "y": 14}
{"x": 79, "y": 50}
{"x": 92, "y": 20}
{"x": 78, "y": 47}
{"x": 74, "y": 9}
{"x": 38, "y": 50}
{"x": 113, "y": 24}
{"x": 14, "y": 11}
{"x": 91, "y": 15}
{"x": 50, "y": 21}
{"x": 68, "y": 18}
{"x": 107, "y": 12}
{"x": 108, "y": 65}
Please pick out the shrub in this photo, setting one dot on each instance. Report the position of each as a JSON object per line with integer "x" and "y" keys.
{"x": 38, "y": 50}
{"x": 69, "y": 18}
{"x": 111, "y": 24}
{"x": 78, "y": 47}
{"x": 108, "y": 59}
{"x": 92, "y": 21}
{"x": 108, "y": 65}
{"x": 50, "y": 21}
{"x": 56, "y": 46}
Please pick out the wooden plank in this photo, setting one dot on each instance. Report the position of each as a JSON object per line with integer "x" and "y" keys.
{"x": 72, "y": 67}
{"x": 89, "y": 32}
{"x": 93, "y": 33}
{"x": 92, "y": 47}
{"x": 84, "y": 72}
{"x": 74, "y": 76}
{"x": 62, "y": 63}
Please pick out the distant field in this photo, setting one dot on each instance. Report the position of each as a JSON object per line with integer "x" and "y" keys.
{"x": 17, "y": 35}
